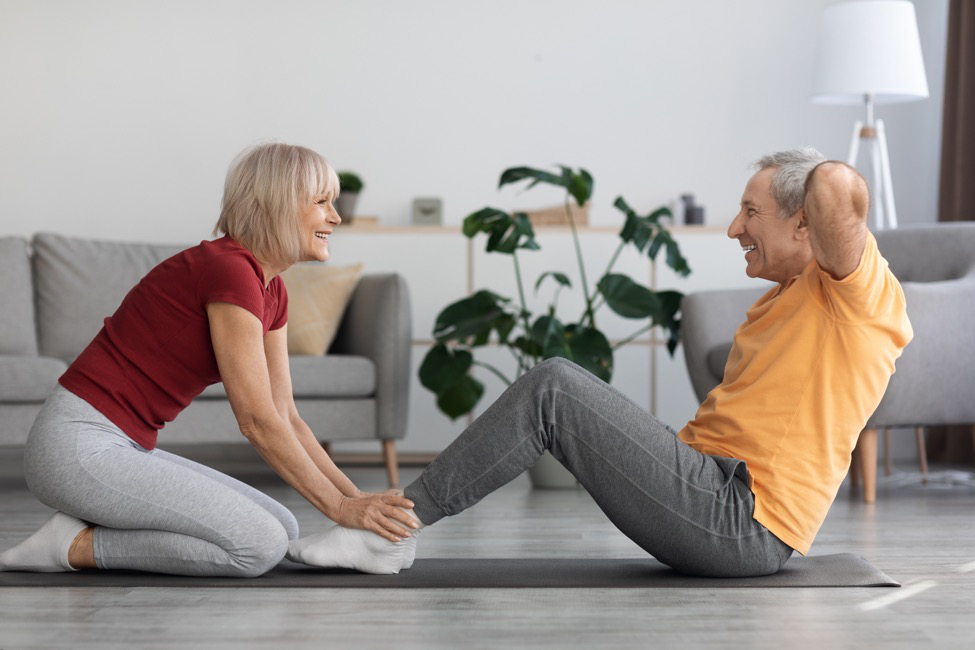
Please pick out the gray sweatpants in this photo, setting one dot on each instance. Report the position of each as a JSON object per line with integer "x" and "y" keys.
{"x": 153, "y": 511}
{"x": 690, "y": 511}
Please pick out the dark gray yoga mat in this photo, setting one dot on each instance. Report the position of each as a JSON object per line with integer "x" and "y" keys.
{"x": 842, "y": 570}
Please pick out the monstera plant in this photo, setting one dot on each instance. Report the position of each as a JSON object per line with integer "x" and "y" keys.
{"x": 488, "y": 318}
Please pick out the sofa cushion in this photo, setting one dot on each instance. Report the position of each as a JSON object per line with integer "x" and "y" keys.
{"x": 330, "y": 376}
{"x": 67, "y": 270}
{"x": 718, "y": 358}
{"x": 317, "y": 298}
{"x": 16, "y": 298}
{"x": 26, "y": 378}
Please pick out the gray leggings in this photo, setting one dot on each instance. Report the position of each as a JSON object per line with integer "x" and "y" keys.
{"x": 691, "y": 511}
{"x": 153, "y": 510}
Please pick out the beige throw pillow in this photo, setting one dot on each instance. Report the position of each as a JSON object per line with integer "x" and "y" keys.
{"x": 317, "y": 298}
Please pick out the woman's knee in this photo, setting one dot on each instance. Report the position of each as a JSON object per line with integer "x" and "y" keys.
{"x": 290, "y": 526}
{"x": 260, "y": 549}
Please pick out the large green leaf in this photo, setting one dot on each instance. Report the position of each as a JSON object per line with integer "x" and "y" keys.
{"x": 578, "y": 184}
{"x": 527, "y": 346}
{"x": 669, "y": 307}
{"x": 506, "y": 232}
{"x": 590, "y": 349}
{"x": 675, "y": 260}
{"x": 561, "y": 278}
{"x": 473, "y": 318}
{"x": 484, "y": 220}
{"x": 516, "y": 174}
{"x": 549, "y": 335}
{"x": 627, "y": 298}
{"x": 446, "y": 372}
{"x": 504, "y": 325}
{"x": 643, "y": 230}
{"x": 461, "y": 398}
{"x": 443, "y": 367}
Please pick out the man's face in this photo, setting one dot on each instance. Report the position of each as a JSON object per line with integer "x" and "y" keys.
{"x": 775, "y": 249}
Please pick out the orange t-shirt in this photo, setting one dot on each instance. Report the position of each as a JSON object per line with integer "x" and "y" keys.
{"x": 807, "y": 370}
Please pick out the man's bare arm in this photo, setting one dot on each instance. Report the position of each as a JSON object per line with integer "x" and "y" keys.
{"x": 837, "y": 201}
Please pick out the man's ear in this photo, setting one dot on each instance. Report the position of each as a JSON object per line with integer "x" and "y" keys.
{"x": 802, "y": 224}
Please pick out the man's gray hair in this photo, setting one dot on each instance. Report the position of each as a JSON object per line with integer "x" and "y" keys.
{"x": 789, "y": 182}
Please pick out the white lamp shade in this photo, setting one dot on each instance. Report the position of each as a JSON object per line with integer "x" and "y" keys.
{"x": 869, "y": 47}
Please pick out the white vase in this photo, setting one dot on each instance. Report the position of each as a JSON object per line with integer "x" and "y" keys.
{"x": 345, "y": 205}
{"x": 549, "y": 474}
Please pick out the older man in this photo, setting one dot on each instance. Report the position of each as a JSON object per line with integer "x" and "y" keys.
{"x": 813, "y": 358}
{"x": 751, "y": 478}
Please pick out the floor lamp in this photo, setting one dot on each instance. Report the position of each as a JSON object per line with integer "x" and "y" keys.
{"x": 870, "y": 53}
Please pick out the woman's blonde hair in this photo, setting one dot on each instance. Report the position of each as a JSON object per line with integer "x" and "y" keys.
{"x": 267, "y": 187}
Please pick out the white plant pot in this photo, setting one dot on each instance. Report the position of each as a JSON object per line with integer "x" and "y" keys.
{"x": 345, "y": 205}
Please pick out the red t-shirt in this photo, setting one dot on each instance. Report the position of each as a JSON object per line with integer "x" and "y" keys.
{"x": 154, "y": 355}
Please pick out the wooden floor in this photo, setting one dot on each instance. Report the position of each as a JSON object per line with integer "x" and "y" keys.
{"x": 922, "y": 536}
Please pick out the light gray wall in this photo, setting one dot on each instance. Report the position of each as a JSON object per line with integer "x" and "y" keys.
{"x": 119, "y": 117}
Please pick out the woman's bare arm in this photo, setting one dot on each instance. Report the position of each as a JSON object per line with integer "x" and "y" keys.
{"x": 238, "y": 343}
{"x": 276, "y": 353}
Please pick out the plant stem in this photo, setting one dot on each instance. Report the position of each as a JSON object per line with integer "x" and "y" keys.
{"x": 582, "y": 266}
{"x": 645, "y": 328}
{"x": 609, "y": 267}
{"x": 521, "y": 295}
{"x": 519, "y": 358}
{"x": 491, "y": 368}
{"x": 612, "y": 260}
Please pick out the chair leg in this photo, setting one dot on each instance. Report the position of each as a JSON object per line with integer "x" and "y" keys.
{"x": 922, "y": 453}
{"x": 389, "y": 458}
{"x": 867, "y": 445}
{"x": 855, "y": 469}
{"x": 888, "y": 466}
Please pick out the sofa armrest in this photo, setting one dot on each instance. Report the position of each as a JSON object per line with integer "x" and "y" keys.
{"x": 378, "y": 324}
{"x": 709, "y": 320}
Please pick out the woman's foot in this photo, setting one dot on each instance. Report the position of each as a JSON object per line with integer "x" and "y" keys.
{"x": 409, "y": 552}
{"x": 348, "y": 548}
{"x": 45, "y": 551}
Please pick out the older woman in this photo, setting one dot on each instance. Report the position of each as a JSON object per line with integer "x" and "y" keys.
{"x": 216, "y": 311}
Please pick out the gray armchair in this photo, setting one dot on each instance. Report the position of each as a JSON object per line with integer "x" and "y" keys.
{"x": 935, "y": 375}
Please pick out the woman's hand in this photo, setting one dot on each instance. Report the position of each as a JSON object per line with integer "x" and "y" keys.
{"x": 382, "y": 514}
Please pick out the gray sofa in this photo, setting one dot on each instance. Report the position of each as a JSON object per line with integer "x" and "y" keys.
{"x": 56, "y": 291}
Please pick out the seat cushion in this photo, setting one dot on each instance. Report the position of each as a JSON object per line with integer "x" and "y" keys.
{"x": 331, "y": 376}
{"x": 718, "y": 358}
{"x": 16, "y": 298}
{"x": 28, "y": 378}
{"x": 79, "y": 282}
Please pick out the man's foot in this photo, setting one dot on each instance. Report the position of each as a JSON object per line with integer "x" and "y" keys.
{"x": 45, "y": 551}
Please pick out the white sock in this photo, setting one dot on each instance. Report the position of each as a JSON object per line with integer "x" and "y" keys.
{"x": 45, "y": 551}
{"x": 348, "y": 548}
{"x": 409, "y": 552}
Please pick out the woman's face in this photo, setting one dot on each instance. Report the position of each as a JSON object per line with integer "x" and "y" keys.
{"x": 318, "y": 219}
